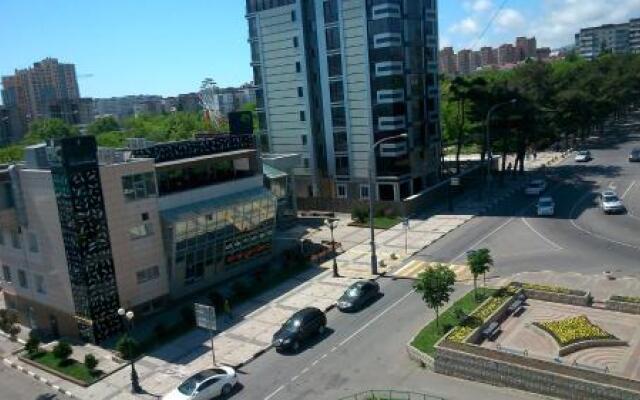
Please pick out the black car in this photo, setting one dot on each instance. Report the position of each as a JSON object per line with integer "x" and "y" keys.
{"x": 634, "y": 156}
{"x": 358, "y": 295}
{"x": 302, "y": 326}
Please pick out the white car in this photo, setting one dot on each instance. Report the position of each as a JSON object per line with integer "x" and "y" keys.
{"x": 546, "y": 206}
{"x": 611, "y": 203}
{"x": 205, "y": 385}
{"x": 535, "y": 187}
{"x": 583, "y": 156}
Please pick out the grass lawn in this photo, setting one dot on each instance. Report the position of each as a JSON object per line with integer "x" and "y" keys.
{"x": 71, "y": 367}
{"x": 380, "y": 222}
{"x": 429, "y": 335}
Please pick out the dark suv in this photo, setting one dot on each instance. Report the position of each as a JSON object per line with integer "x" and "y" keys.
{"x": 302, "y": 326}
{"x": 634, "y": 156}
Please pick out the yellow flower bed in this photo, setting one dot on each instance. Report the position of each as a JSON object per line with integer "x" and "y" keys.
{"x": 477, "y": 318}
{"x": 460, "y": 333}
{"x": 572, "y": 330}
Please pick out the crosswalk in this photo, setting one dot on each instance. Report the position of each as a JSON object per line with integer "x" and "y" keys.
{"x": 413, "y": 268}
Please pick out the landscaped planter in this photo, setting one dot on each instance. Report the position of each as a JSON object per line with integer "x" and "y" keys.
{"x": 555, "y": 294}
{"x": 625, "y": 304}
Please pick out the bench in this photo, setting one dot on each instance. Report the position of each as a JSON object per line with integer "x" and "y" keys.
{"x": 515, "y": 307}
{"x": 491, "y": 331}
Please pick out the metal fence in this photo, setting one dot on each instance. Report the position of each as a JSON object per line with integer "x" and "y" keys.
{"x": 390, "y": 395}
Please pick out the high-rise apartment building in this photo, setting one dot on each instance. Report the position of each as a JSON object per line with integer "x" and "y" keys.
{"x": 506, "y": 54}
{"x": 448, "y": 61}
{"x": 543, "y": 53}
{"x": 615, "y": 38}
{"x": 525, "y": 48}
{"x": 464, "y": 62}
{"x": 487, "y": 56}
{"x": 84, "y": 231}
{"x": 475, "y": 61}
{"x": 335, "y": 76}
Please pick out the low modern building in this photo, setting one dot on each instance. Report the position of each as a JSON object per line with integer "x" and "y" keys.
{"x": 84, "y": 231}
{"x": 615, "y": 38}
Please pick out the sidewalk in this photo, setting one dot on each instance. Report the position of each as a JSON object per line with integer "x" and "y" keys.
{"x": 249, "y": 335}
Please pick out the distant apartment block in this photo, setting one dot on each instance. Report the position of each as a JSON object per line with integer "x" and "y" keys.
{"x": 506, "y": 54}
{"x": 525, "y": 48}
{"x": 84, "y": 231}
{"x": 615, "y": 38}
{"x": 488, "y": 56}
{"x": 333, "y": 77}
{"x": 448, "y": 61}
{"x": 464, "y": 62}
{"x": 543, "y": 53}
{"x": 45, "y": 88}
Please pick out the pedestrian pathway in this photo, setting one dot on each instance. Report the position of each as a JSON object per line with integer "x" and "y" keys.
{"x": 413, "y": 268}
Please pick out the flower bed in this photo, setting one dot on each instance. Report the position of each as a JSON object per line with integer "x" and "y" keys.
{"x": 572, "y": 330}
{"x": 625, "y": 299}
{"x": 551, "y": 289}
{"x": 480, "y": 315}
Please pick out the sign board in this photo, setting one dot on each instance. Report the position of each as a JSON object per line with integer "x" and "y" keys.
{"x": 205, "y": 316}
{"x": 455, "y": 181}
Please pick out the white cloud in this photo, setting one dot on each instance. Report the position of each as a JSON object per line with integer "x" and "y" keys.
{"x": 481, "y": 5}
{"x": 467, "y": 26}
{"x": 510, "y": 20}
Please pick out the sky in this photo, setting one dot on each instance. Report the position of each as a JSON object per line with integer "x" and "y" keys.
{"x": 167, "y": 47}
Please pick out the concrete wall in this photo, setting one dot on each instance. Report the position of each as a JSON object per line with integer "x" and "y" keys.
{"x": 502, "y": 369}
{"x": 631, "y": 308}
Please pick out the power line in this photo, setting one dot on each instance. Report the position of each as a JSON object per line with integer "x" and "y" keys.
{"x": 493, "y": 18}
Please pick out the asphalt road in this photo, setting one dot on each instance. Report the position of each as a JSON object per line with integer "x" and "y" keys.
{"x": 580, "y": 237}
{"x": 14, "y": 385}
{"x": 362, "y": 351}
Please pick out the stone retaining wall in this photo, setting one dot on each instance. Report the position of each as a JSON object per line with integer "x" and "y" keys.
{"x": 584, "y": 300}
{"x": 621, "y": 306}
{"x": 589, "y": 344}
{"x": 529, "y": 374}
{"x": 421, "y": 358}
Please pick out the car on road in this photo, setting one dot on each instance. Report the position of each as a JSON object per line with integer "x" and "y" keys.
{"x": 358, "y": 295}
{"x": 536, "y": 187}
{"x": 611, "y": 203}
{"x": 583, "y": 156}
{"x": 205, "y": 385}
{"x": 302, "y": 326}
{"x": 546, "y": 206}
{"x": 634, "y": 156}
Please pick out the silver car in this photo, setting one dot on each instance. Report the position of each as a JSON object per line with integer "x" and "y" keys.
{"x": 611, "y": 203}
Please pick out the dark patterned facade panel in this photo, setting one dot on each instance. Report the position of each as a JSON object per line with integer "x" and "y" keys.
{"x": 193, "y": 148}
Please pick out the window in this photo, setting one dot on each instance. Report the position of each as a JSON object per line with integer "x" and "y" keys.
{"x": 139, "y": 186}
{"x": 387, "y": 10}
{"x": 148, "y": 274}
{"x": 295, "y": 41}
{"x": 145, "y": 216}
{"x": 293, "y": 16}
{"x": 33, "y": 243}
{"x": 22, "y": 279}
{"x": 391, "y": 123}
{"x": 304, "y": 140}
{"x": 387, "y": 40}
{"x": 193, "y": 272}
{"x": 305, "y": 162}
{"x": 298, "y": 67}
{"x": 330, "y": 11}
{"x": 1, "y": 237}
{"x": 341, "y": 190}
{"x": 340, "y": 142}
{"x": 336, "y": 92}
{"x": 333, "y": 39}
{"x": 390, "y": 96}
{"x": 342, "y": 165}
{"x": 300, "y": 92}
{"x": 15, "y": 240}
{"x": 6, "y": 273}
{"x": 364, "y": 192}
{"x": 335, "y": 65}
{"x": 141, "y": 231}
{"x": 40, "y": 284}
{"x": 338, "y": 117}
{"x": 388, "y": 68}
{"x": 303, "y": 117}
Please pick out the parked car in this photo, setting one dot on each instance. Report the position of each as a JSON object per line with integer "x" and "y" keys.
{"x": 358, "y": 295}
{"x": 546, "y": 206}
{"x": 302, "y": 326}
{"x": 206, "y": 385}
{"x": 583, "y": 156}
{"x": 611, "y": 203}
{"x": 535, "y": 187}
{"x": 634, "y": 156}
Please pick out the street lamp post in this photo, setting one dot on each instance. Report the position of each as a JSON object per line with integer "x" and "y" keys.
{"x": 488, "y": 140}
{"x": 333, "y": 224}
{"x": 127, "y": 317}
{"x": 372, "y": 193}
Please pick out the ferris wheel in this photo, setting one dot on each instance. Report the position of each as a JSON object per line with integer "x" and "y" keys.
{"x": 208, "y": 99}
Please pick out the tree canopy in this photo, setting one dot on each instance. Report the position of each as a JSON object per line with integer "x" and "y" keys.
{"x": 435, "y": 285}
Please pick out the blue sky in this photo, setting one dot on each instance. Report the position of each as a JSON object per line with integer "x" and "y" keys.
{"x": 167, "y": 47}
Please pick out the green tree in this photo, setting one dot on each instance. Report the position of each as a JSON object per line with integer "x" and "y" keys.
{"x": 91, "y": 362}
{"x": 103, "y": 125}
{"x": 32, "y": 346}
{"x": 9, "y": 323}
{"x": 62, "y": 351}
{"x": 128, "y": 347}
{"x": 479, "y": 262}
{"x": 49, "y": 128}
{"x": 435, "y": 285}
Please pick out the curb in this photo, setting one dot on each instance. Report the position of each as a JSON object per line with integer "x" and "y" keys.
{"x": 38, "y": 378}
{"x": 21, "y": 341}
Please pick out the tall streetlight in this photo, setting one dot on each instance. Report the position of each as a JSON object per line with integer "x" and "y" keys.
{"x": 333, "y": 224}
{"x": 372, "y": 193}
{"x": 127, "y": 317}
{"x": 488, "y": 140}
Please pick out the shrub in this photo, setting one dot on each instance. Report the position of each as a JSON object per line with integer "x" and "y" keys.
{"x": 8, "y": 319}
{"x": 188, "y": 315}
{"x": 32, "y": 346}
{"x": 62, "y": 351}
{"x": 128, "y": 347}
{"x": 360, "y": 214}
{"x": 91, "y": 362}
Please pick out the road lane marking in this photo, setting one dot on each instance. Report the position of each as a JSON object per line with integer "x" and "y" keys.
{"x": 543, "y": 237}
{"x": 626, "y": 192}
{"x": 274, "y": 393}
{"x": 313, "y": 364}
{"x": 304, "y": 371}
{"x": 295, "y": 378}
{"x": 368, "y": 324}
{"x": 487, "y": 236}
